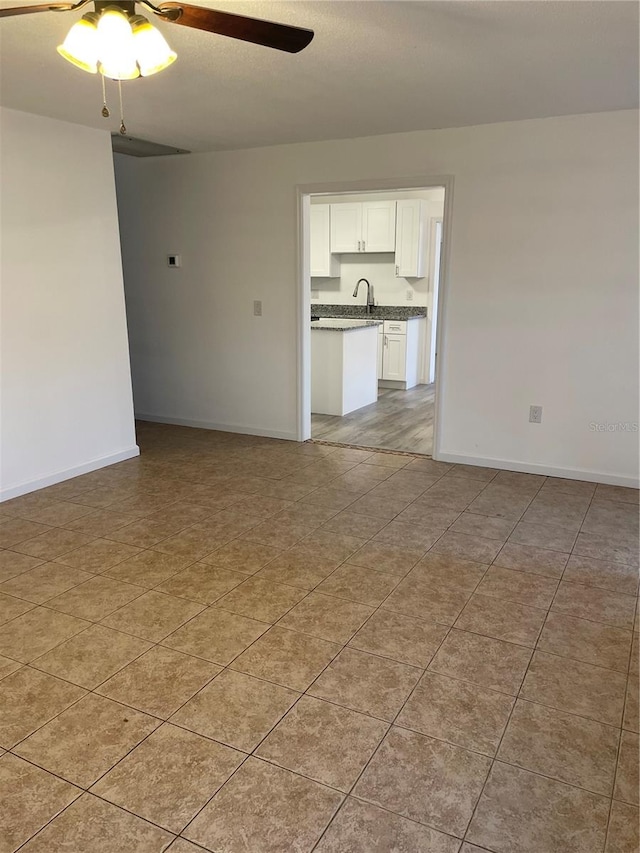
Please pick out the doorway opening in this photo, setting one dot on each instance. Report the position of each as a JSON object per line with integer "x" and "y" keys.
{"x": 372, "y": 303}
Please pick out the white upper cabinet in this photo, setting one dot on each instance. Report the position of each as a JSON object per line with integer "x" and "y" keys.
{"x": 346, "y": 227}
{"x": 378, "y": 226}
{"x": 368, "y": 226}
{"x": 411, "y": 237}
{"x": 323, "y": 263}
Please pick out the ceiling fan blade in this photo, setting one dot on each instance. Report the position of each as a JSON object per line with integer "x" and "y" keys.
{"x": 267, "y": 33}
{"x": 29, "y": 10}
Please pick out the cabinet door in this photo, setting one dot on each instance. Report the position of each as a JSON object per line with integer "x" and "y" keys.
{"x": 395, "y": 358}
{"x": 321, "y": 261}
{"x": 346, "y": 227}
{"x": 411, "y": 245}
{"x": 378, "y": 226}
{"x": 416, "y": 329}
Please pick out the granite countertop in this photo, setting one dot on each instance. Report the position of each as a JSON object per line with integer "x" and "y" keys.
{"x": 379, "y": 312}
{"x": 337, "y": 324}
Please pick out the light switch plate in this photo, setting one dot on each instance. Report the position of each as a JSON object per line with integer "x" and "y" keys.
{"x": 257, "y": 308}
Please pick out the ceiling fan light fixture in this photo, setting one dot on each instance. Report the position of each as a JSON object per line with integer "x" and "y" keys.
{"x": 151, "y": 49}
{"x": 116, "y": 46}
{"x": 80, "y": 47}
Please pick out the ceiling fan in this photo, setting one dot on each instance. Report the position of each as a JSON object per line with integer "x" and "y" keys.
{"x": 267, "y": 33}
{"x": 122, "y": 45}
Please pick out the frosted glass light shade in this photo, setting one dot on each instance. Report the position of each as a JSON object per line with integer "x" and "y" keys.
{"x": 80, "y": 47}
{"x": 116, "y": 47}
{"x": 151, "y": 49}
{"x": 120, "y": 47}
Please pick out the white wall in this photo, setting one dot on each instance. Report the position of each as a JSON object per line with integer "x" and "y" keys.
{"x": 65, "y": 401}
{"x": 541, "y": 297}
{"x": 379, "y": 269}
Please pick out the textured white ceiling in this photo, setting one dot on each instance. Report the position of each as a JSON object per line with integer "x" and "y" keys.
{"x": 373, "y": 67}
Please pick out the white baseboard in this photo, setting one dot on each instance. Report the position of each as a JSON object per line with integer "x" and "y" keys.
{"x": 241, "y": 429}
{"x": 68, "y": 473}
{"x": 546, "y": 470}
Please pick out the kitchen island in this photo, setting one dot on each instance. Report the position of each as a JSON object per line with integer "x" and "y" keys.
{"x": 344, "y": 374}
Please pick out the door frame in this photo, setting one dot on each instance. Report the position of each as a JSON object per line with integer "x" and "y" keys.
{"x": 436, "y": 225}
{"x": 303, "y": 291}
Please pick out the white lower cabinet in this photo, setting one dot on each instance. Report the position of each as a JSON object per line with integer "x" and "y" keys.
{"x": 399, "y": 352}
{"x": 394, "y": 358}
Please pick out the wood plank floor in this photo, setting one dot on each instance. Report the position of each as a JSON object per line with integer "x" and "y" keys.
{"x": 398, "y": 420}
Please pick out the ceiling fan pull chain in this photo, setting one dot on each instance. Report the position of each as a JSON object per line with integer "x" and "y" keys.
{"x": 105, "y": 108}
{"x": 123, "y": 129}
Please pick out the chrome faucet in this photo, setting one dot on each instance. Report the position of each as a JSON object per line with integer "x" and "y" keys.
{"x": 370, "y": 300}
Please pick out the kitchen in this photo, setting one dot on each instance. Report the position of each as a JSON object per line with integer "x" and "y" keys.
{"x": 374, "y": 266}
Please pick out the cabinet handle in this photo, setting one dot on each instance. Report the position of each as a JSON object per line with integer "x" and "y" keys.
{"x": 363, "y": 245}
{"x": 397, "y": 271}
{"x": 385, "y": 340}
{"x": 358, "y": 245}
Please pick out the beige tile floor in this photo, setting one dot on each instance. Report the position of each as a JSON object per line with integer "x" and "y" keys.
{"x": 266, "y": 647}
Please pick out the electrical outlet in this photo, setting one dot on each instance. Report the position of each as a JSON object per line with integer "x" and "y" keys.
{"x": 257, "y": 308}
{"x": 315, "y": 294}
{"x": 174, "y": 261}
{"x": 535, "y": 414}
{"x": 409, "y": 295}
